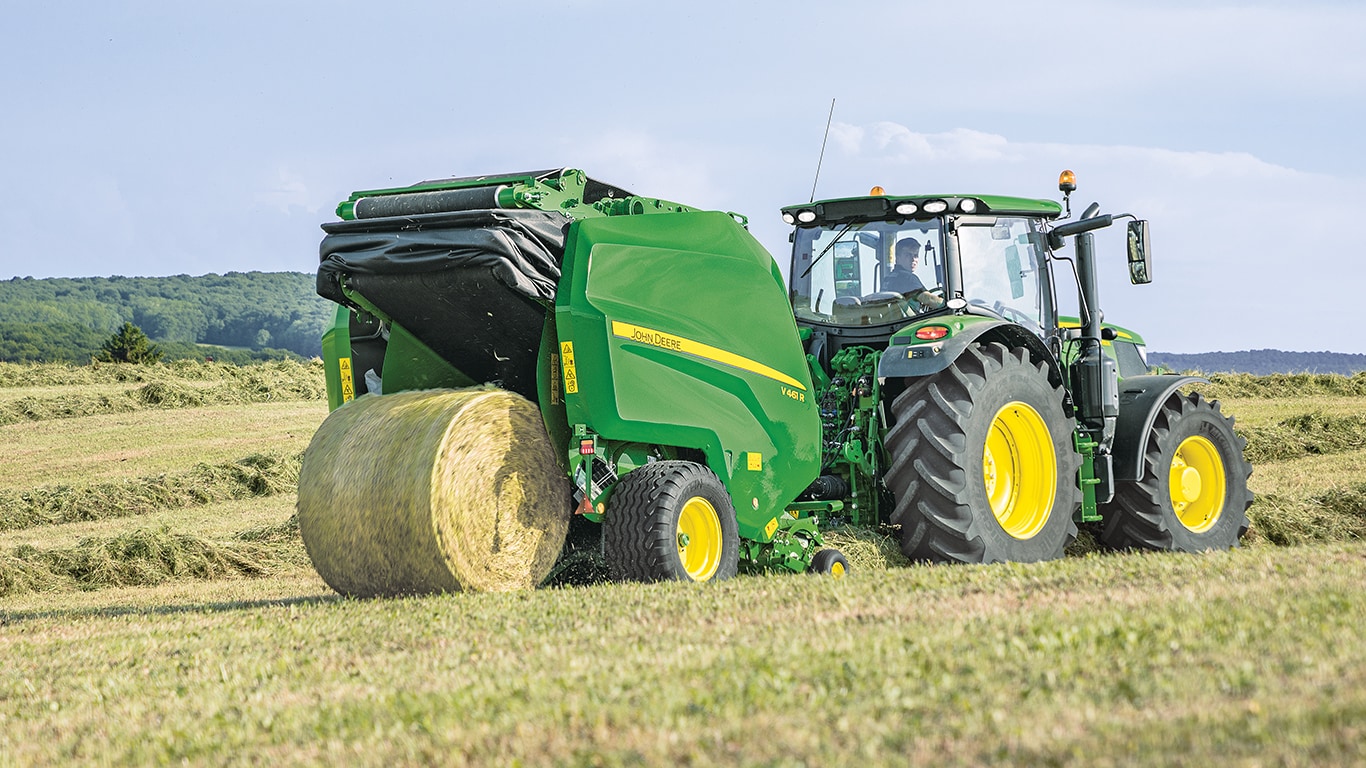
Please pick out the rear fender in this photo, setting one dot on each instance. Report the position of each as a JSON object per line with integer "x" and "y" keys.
{"x": 1140, "y": 398}
{"x": 924, "y": 358}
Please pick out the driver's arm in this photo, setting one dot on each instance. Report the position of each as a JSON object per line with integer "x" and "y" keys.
{"x": 925, "y": 298}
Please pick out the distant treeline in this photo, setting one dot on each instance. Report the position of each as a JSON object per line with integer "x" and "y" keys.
{"x": 67, "y": 319}
{"x": 1260, "y": 362}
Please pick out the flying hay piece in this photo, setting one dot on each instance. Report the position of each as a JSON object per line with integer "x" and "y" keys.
{"x": 435, "y": 491}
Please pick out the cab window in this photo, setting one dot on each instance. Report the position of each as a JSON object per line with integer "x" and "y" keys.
{"x": 1001, "y": 264}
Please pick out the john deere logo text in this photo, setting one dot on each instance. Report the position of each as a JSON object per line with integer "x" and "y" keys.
{"x": 697, "y": 349}
{"x": 656, "y": 338}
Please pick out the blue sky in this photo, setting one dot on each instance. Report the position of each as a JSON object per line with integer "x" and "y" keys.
{"x": 162, "y": 138}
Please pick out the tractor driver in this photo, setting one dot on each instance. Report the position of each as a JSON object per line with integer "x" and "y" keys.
{"x": 903, "y": 279}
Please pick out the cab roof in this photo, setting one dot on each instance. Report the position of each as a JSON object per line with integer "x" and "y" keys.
{"x": 890, "y": 207}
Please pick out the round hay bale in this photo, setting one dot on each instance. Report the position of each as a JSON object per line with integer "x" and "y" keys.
{"x": 433, "y": 491}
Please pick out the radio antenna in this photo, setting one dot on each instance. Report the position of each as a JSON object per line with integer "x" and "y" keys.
{"x": 821, "y": 159}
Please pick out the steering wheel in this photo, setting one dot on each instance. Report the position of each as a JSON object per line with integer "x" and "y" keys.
{"x": 1007, "y": 312}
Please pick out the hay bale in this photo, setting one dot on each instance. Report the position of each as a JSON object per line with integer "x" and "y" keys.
{"x": 433, "y": 491}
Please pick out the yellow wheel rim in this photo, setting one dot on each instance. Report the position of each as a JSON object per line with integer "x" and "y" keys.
{"x": 699, "y": 539}
{"x": 1197, "y": 483}
{"x": 1020, "y": 470}
{"x": 837, "y": 569}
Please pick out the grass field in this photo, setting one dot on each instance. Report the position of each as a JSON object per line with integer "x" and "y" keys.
{"x": 156, "y": 607}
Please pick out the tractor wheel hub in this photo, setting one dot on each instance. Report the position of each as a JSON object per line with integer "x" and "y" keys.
{"x": 1190, "y": 484}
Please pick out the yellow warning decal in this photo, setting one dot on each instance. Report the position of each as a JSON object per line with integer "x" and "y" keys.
{"x": 348, "y": 384}
{"x": 755, "y": 461}
{"x": 771, "y": 527}
{"x": 554, "y": 379}
{"x": 571, "y": 376}
{"x": 698, "y": 349}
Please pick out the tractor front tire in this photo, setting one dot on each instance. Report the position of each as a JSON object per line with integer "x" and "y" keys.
{"x": 1193, "y": 494}
{"x": 671, "y": 521}
{"x": 981, "y": 462}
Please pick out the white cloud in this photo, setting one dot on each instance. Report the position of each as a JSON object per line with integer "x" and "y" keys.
{"x": 1240, "y": 243}
{"x": 288, "y": 190}
{"x": 645, "y": 165}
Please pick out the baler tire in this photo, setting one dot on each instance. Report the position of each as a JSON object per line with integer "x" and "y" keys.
{"x": 972, "y": 447}
{"x": 830, "y": 562}
{"x": 653, "y": 515}
{"x": 1189, "y": 439}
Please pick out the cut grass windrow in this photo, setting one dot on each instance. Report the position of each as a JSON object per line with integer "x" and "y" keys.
{"x": 163, "y": 387}
{"x": 144, "y": 557}
{"x": 1278, "y": 385}
{"x": 1336, "y": 515}
{"x": 64, "y": 374}
{"x": 1308, "y": 434}
{"x": 254, "y": 475}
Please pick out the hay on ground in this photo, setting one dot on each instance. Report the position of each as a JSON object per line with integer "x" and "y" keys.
{"x": 433, "y": 491}
{"x": 140, "y": 557}
{"x": 866, "y": 549}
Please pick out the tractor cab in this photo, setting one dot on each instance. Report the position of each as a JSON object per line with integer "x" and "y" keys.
{"x": 868, "y": 273}
{"x": 864, "y": 268}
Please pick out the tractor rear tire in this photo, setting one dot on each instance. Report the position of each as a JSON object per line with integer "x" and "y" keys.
{"x": 1193, "y": 494}
{"x": 671, "y": 521}
{"x": 981, "y": 462}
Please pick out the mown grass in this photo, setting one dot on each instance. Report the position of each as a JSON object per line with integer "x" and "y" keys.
{"x": 64, "y": 374}
{"x": 1248, "y": 657}
{"x": 1304, "y": 434}
{"x": 1282, "y": 385}
{"x": 215, "y": 520}
{"x": 255, "y": 475}
{"x": 145, "y": 556}
{"x": 199, "y": 634}
{"x": 119, "y": 446}
{"x": 173, "y": 385}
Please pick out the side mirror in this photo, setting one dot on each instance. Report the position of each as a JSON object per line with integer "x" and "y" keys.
{"x": 1140, "y": 258}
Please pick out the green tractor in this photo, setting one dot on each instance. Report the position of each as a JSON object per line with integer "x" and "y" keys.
{"x": 959, "y": 406}
{"x": 912, "y": 374}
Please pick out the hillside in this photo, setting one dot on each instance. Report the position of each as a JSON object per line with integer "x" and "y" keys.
{"x": 66, "y": 319}
{"x": 1260, "y": 362}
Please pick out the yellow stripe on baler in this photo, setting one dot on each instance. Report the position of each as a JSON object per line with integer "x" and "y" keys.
{"x": 698, "y": 349}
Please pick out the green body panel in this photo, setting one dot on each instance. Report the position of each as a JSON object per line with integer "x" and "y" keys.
{"x": 1122, "y": 333}
{"x": 1070, "y": 349}
{"x": 955, "y": 323}
{"x": 549, "y": 395}
{"x": 682, "y": 337}
{"x": 341, "y": 386}
{"x": 410, "y": 364}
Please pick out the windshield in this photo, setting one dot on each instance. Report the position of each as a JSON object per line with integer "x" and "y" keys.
{"x": 867, "y": 273}
{"x": 1001, "y": 264}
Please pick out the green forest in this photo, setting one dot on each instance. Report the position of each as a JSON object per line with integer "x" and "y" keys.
{"x": 241, "y": 317}
{"x": 249, "y": 315}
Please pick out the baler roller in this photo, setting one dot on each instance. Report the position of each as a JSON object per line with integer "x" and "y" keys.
{"x": 436, "y": 201}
